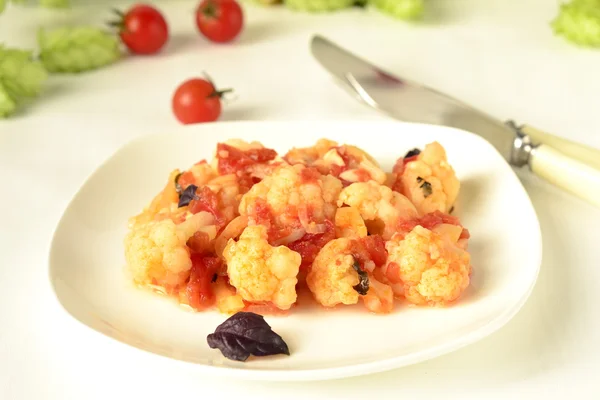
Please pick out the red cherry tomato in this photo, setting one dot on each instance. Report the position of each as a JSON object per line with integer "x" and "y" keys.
{"x": 219, "y": 20}
{"x": 143, "y": 29}
{"x": 196, "y": 100}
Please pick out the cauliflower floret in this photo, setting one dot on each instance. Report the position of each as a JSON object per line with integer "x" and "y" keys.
{"x": 430, "y": 265}
{"x": 293, "y": 196}
{"x": 156, "y": 251}
{"x": 332, "y": 277}
{"x": 349, "y": 163}
{"x": 380, "y": 207}
{"x": 349, "y": 223}
{"x": 261, "y": 272}
{"x": 429, "y": 181}
{"x": 309, "y": 155}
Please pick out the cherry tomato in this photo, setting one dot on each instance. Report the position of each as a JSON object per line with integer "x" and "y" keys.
{"x": 197, "y": 100}
{"x": 219, "y": 20}
{"x": 143, "y": 29}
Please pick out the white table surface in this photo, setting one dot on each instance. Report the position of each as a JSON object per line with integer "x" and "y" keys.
{"x": 500, "y": 55}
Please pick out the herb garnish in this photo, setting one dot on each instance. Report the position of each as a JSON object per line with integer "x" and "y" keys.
{"x": 412, "y": 153}
{"x": 426, "y": 186}
{"x": 363, "y": 286}
{"x": 246, "y": 333}
{"x": 188, "y": 195}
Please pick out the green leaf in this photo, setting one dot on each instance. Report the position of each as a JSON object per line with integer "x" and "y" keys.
{"x": 2, "y": 5}
{"x": 77, "y": 49}
{"x": 316, "y": 6}
{"x": 400, "y": 9}
{"x": 579, "y": 22}
{"x": 7, "y": 104}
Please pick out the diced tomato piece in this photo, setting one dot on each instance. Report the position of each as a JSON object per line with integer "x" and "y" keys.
{"x": 199, "y": 243}
{"x": 232, "y": 160}
{"x": 207, "y": 200}
{"x": 186, "y": 179}
{"x": 465, "y": 234}
{"x": 436, "y": 218}
{"x": 310, "y": 175}
{"x": 350, "y": 161}
{"x": 363, "y": 175}
{"x": 198, "y": 290}
{"x": 311, "y": 243}
{"x": 370, "y": 248}
{"x": 392, "y": 272}
{"x": 430, "y": 221}
{"x": 375, "y": 246}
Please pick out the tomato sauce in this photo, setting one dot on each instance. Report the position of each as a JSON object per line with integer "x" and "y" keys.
{"x": 310, "y": 175}
{"x": 311, "y": 243}
{"x": 207, "y": 200}
{"x": 199, "y": 290}
{"x": 233, "y": 160}
{"x": 370, "y": 248}
{"x": 186, "y": 179}
{"x": 392, "y": 273}
{"x": 363, "y": 175}
{"x": 199, "y": 242}
{"x": 431, "y": 220}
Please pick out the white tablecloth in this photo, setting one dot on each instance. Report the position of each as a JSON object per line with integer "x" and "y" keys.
{"x": 497, "y": 54}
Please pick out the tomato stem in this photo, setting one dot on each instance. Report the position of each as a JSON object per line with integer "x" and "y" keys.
{"x": 220, "y": 93}
{"x": 120, "y": 22}
{"x": 210, "y": 10}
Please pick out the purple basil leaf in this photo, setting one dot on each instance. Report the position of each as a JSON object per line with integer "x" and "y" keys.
{"x": 363, "y": 285}
{"x": 412, "y": 153}
{"x": 188, "y": 195}
{"x": 246, "y": 333}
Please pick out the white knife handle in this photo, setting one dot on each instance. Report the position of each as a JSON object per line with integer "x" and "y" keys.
{"x": 585, "y": 154}
{"x": 567, "y": 173}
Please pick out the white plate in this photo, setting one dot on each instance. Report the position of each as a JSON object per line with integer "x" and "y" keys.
{"x": 87, "y": 261}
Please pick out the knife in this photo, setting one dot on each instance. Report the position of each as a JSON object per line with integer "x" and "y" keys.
{"x": 571, "y": 166}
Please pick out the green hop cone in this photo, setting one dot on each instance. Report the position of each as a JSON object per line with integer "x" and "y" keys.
{"x": 20, "y": 73}
{"x": 7, "y": 104}
{"x": 77, "y": 49}
{"x": 579, "y": 22}
{"x": 400, "y": 9}
{"x": 54, "y": 3}
{"x": 316, "y": 6}
{"x": 21, "y": 79}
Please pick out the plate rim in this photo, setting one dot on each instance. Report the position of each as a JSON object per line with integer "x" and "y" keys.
{"x": 312, "y": 374}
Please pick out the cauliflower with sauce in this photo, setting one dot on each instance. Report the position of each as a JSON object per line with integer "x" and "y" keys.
{"x": 334, "y": 279}
{"x": 309, "y": 155}
{"x": 347, "y": 162}
{"x": 293, "y": 194}
{"x": 260, "y": 272}
{"x": 380, "y": 207}
{"x": 156, "y": 251}
{"x": 430, "y": 265}
{"x": 349, "y": 223}
{"x": 429, "y": 181}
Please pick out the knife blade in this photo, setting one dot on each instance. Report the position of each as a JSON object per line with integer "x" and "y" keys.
{"x": 575, "y": 168}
